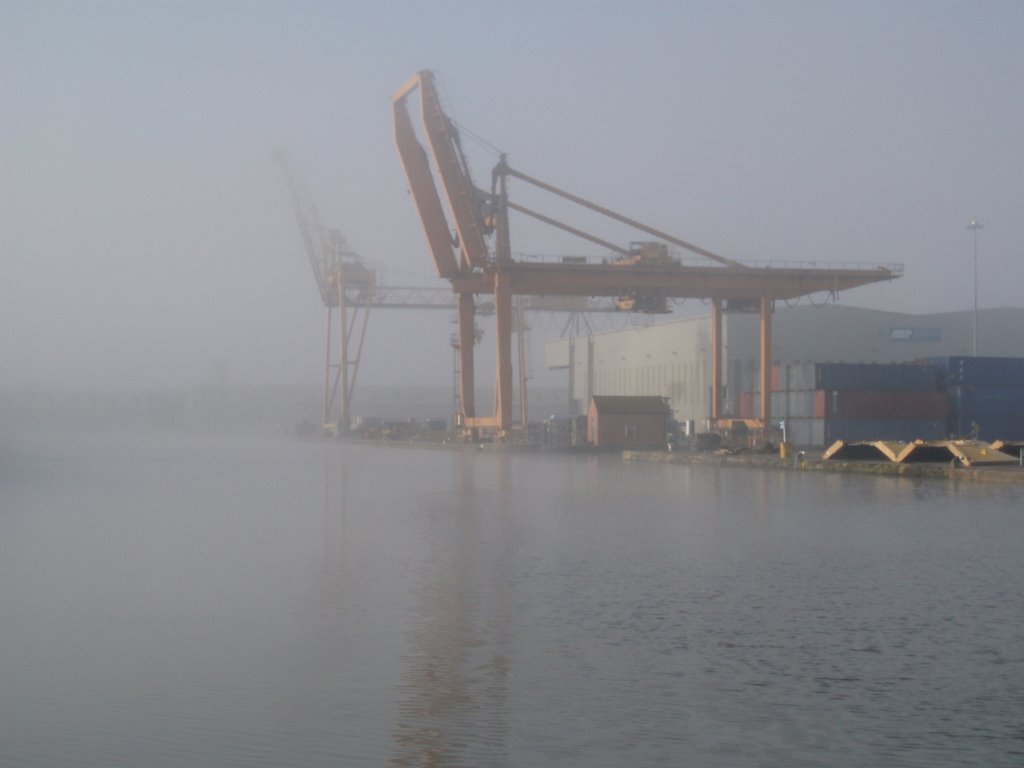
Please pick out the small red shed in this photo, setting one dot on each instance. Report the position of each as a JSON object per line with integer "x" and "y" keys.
{"x": 626, "y": 421}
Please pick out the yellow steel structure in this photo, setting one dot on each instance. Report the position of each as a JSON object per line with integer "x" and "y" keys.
{"x": 464, "y": 260}
{"x": 969, "y": 453}
{"x": 339, "y": 274}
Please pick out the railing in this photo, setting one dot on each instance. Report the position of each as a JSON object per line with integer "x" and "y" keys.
{"x": 896, "y": 268}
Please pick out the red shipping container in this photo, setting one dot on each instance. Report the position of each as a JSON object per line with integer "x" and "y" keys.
{"x": 885, "y": 406}
{"x": 746, "y": 405}
{"x": 819, "y": 403}
{"x": 799, "y": 404}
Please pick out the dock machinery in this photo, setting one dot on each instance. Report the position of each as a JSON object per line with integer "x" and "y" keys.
{"x": 347, "y": 285}
{"x": 459, "y": 231}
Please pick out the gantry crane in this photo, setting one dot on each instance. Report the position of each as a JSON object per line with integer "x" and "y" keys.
{"x": 642, "y": 278}
{"x": 347, "y": 285}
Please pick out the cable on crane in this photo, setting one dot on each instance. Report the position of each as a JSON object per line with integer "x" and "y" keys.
{"x": 830, "y": 296}
{"x": 450, "y": 112}
{"x": 478, "y": 139}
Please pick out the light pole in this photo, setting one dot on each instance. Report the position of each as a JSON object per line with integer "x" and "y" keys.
{"x": 975, "y": 226}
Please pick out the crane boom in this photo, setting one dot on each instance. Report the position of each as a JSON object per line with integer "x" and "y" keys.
{"x": 318, "y": 251}
{"x": 424, "y": 191}
{"x": 465, "y": 200}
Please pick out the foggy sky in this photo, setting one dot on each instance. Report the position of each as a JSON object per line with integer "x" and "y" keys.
{"x": 146, "y": 235}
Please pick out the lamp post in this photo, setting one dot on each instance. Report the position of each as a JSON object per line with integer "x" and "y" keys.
{"x": 975, "y": 226}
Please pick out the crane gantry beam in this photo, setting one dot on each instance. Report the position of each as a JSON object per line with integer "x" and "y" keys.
{"x": 643, "y": 279}
{"x": 423, "y": 297}
{"x": 674, "y": 281}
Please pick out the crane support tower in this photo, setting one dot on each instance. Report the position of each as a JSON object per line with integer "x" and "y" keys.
{"x": 345, "y": 284}
{"x": 642, "y": 278}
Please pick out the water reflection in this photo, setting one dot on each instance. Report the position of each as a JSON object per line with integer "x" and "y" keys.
{"x": 452, "y": 707}
{"x": 222, "y": 602}
{"x": 334, "y": 576}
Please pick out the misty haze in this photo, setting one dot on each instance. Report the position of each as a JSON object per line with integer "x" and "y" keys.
{"x": 220, "y": 546}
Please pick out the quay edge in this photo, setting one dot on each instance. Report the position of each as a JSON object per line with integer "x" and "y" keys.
{"x": 1005, "y": 474}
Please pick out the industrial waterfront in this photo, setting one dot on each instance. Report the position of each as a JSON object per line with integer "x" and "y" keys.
{"x": 219, "y": 600}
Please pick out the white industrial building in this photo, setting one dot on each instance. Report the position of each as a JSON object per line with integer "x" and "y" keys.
{"x": 673, "y": 359}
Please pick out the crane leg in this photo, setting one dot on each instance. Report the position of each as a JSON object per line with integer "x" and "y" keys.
{"x": 503, "y": 316}
{"x": 766, "y": 361}
{"x": 716, "y": 359}
{"x": 467, "y": 313}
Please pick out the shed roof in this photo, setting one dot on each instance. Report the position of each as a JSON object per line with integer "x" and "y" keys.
{"x": 631, "y": 405}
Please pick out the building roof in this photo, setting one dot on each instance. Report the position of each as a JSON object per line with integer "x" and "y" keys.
{"x": 631, "y": 405}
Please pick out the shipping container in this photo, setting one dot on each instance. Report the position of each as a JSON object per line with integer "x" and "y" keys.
{"x": 991, "y": 429}
{"x": 820, "y": 403}
{"x": 899, "y": 405}
{"x": 802, "y": 376}
{"x": 987, "y": 427}
{"x": 750, "y": 405}
{"x": 989, "y": 413}
{"x": 987, "y": 401}
{"x": 805, "y": 432}
{"x": 979, "y": 371}
{"x": 793, "y": 376}
{"x": 854, "y": 430}
{"x": 799, "y": 404}
{"x": 877, "y": 376}
{"x": 746, "y": 405}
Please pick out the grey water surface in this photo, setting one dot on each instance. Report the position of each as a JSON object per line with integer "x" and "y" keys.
{"x": 179, "y": 600}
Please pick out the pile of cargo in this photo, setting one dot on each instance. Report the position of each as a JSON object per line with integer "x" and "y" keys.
{"x": 930, "y": 399}
{"x": 986, "y": 395}
{"x": 825, "y": 402}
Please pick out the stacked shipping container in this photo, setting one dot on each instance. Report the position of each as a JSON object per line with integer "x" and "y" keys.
{"x": 825, "y": 402}
{"x": 980, "y": 397}
{"x": 986, "y": 395}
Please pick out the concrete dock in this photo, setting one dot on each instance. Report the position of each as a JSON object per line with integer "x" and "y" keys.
{"x": 945, "y": 471}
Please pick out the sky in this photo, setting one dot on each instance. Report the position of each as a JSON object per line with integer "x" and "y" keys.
{"x": 146, "y": 233}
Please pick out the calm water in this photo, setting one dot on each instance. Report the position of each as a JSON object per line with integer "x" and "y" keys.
{"x": 220, "y": 601}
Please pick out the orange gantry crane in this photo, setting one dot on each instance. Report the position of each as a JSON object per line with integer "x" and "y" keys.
{"x": 642, "y": 278}
{"x": 345, "y": 284}
{"x": 348, "y": 285}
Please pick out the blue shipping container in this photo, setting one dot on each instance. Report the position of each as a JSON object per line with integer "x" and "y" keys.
{"x": 973, "y": 402}
{"x": 989, "y": 428}
{"x": 980, "y": 371}
{"x": 901, "y": 377}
